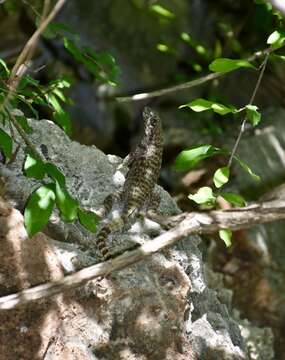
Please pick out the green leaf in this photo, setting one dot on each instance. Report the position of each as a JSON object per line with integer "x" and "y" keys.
{"x": 187, "y": 159}
{"x": 6, "y": 144}
{"x": 53, "y": 171}
{"x": 88, "y": 219}
{"x": 28, "y": 80}
{"x": 162, "y": 11}
{"x": 225, "y": 65}
{"x": 276, "y": 39}
{"x": 55, "y": 29}
{"x": 199, "y": 105}
{"x": 38, "y": 209}
{"x": 253, "y": 115}
{"x": 67, "y": 205}
{"x": 277, "y": 57}
{"x": 101, "y": 65}
{"x": 226, "y": 236}
{"x": 34, "y": 167}
{"x": 221, "y": 176}
{"x": 60, "y": 117}
{"x": 247, "y": 169}
{"x": 5, "y": 68}
{"x": 203, "y": 196}
{"x": 22, "y": 120}
{"x": 73, "y": 49}
{"x": 234, "y": 199}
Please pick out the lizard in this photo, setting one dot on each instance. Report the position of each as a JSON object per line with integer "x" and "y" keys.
{"x": 138, "y": 190}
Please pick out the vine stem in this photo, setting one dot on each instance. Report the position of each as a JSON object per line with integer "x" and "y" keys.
{"x": 242, "y": 128}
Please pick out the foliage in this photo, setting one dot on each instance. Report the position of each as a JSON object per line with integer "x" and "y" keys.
{"x": 190, "y": 158}
{"x": 16, "y": 106}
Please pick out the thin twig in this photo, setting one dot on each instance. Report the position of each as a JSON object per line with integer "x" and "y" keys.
{"x": 191, "y": 223}
{"x": 21, "y": 66}
{"x": 25, "y": 54}
{"x": 242, "y": 128}
{"x": 185, "y": 85}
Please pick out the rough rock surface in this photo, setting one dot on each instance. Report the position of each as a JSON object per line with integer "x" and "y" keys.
{"x": 161, "y": 308}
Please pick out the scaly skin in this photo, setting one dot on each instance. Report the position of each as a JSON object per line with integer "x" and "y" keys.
{"x": 144, "y": 168}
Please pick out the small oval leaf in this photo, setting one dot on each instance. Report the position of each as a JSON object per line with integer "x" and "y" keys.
{"x": 88, "y": 219}
{"x": 252, "y": 114}
{"x": 226, "y": 236}
{"x": 276, "y": 39}
{"x": 234, "y": 199}
{"x": 38, "y": 209}
{"x": 67, "y": 205}
{"x": 221, "y": 176}
{"x": 187, "y": 159}
{"x": 225, "y": 65}
{"x": 200, "y": 105}
{"x": 34, "y": 167}
{"x": 204, "y": 196}
{"x": 53, "y": 171}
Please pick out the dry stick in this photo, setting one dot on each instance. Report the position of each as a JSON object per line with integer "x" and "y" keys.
{"x": 186, "y": 85}
{"x": 23, "y": 57}
{"x": 188, "y": 224}
{"x": 20, "y": 66}
{"x": 26, "y": 54}
{"x": 242, "y": 128}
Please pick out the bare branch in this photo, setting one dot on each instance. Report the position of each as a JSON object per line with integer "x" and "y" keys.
{"x": 185, "y": 85}
{"x": 188, "y": 224}
{"x": 20, "y": 67}
{"x": 26, "y": 53}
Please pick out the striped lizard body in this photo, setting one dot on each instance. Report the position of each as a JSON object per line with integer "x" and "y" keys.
{"x": 138, "y": 190}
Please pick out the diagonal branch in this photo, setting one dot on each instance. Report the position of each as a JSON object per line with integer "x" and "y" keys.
{"x": 186, "y": 224}
{"x": 185, "y": 85}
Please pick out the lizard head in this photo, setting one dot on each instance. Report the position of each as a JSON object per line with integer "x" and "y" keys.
{"x": 151, "y": 122}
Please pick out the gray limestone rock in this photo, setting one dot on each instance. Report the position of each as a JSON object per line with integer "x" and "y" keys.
{"x": 161, "y": 308}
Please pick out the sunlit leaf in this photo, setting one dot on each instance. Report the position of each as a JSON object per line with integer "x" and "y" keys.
{"x": 276, "y": 39}
{"x": 226, "y": 236}
{"x": 234, "y": 199}
{"x": 53, "y": 171}
{"x": 252, "y": 114}
{"x": 88, "y": 219}
{"x": 34, "y": 167}
{"x": 67, "y": 205}
{"x": 6, "y": 144}
{"x": 203, "y": 196}
{"x": 38, "y": 209}
{"x": 187, "y": 159}
{"x": 221, "y": 176}
{"x": 226, "y": 65}
{"x": 60, "y": 117}
{"x": 200, "y": 105}
{"x": 4, "y": 67}
{"x": 162, "y": 11}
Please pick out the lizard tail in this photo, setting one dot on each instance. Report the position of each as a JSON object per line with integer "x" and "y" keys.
{"x": 101, "y": 242}
{"x": 106, "y": 230}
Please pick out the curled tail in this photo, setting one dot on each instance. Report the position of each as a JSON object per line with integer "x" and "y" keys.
{"x": 104, "y": 232}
